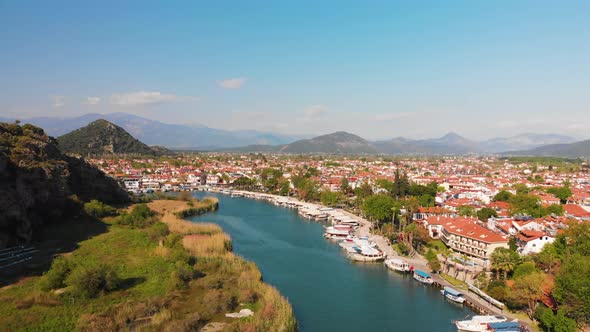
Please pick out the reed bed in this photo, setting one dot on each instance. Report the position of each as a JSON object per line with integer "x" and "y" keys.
{"x": 205, "y": 245}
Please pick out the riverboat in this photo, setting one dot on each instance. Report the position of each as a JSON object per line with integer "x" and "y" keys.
{"x": 478, "y": 323}
{"x": 366, "y": 254}
{"x": 397, "y": 265}
{"x": 453, "y": 294}
{"x": 423, "y": 277}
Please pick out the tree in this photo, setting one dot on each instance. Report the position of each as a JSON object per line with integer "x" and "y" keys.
{"x": 563, "y": 193}
{"x": 466, "y": 211}
{"x": 503, "y": 196}
{"x": 378, "y": 208}
{"x": 524, "y": 269}
{"x": 401, "y": 184}
{"x": 345, "y": 186}
{"x": 527, "y": 290}
{"x": 364, "y": 190}
{"x": 550, "y": 322}
{"x": 426, "y": 200}
{"x": 524, "y": 204}
{"x": 548, "y": 258}
{"x": 504, "y": 260}
{"x": 329, "y": 198}
{"x": 486, "y": 213}
{"x": 385, "y": 184}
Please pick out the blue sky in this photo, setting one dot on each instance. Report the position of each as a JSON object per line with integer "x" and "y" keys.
{"x": 376, "y": 68}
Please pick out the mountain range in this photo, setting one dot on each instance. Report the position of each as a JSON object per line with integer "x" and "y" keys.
{"x": 449, "y": 144}
{"x": 151, "y": 132}
{"x": 198, "y": 137}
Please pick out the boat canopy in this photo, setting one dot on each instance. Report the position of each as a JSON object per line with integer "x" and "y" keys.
{"x": 452, "y": 291}
{"x": 505, "y": 326}
{"x": 422, "y": 274}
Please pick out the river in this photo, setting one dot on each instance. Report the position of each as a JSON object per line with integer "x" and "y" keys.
{"x": 328, "y": 292}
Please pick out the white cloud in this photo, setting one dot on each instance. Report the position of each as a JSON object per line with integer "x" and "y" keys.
{"x": 92, "y": 101}
{"x": 58, "y": 101}
{"x": 315, "y": 111}
{"x": 145, "y": 98}
{"x": 233, "y": 83}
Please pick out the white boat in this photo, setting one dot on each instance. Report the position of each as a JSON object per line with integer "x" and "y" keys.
{"x": 333, "y": 233}
{"x": 452, "y": 294}
{"x": 397, "y": 265}
{"x": 366, "y": 254}
{"x": 423, "y": 277}
{"x": 478, "y": 323}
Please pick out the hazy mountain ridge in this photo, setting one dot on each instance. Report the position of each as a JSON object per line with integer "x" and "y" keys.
{"x": 153, "y": 132}
{"x": 572, "y": 150}
{"x": 201, "y": 138}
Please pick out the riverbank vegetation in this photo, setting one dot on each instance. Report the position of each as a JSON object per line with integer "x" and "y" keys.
{"x": 150, "y": 271}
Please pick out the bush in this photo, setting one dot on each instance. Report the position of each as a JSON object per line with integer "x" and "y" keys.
{"x": 89, "y": 281}
{"x": 157, "y": 231}
{"x": 181, "y": 276}
{"x": 98, "y": 209}
{"x": 56, "y": 276}
{"x": 140, "y": 217}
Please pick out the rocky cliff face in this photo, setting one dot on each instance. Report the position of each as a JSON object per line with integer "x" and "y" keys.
{"x": 38, "y": 184}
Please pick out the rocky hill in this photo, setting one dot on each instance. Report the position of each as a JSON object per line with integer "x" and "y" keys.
{"x": 339, "y": 142}
{"x": 39, "y": 184}
{"x": 102, "y": 137}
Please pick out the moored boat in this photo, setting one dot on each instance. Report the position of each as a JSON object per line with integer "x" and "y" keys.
{"x": 366, "y": 254}
{"x": 423, "y": 277}
{"x": 397, "y": 265}
{"x": 514, "y": 326}
{"x": 478, "y": 323}
{"x": 453, "y": 294}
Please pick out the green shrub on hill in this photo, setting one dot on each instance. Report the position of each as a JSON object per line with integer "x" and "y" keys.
{"x": 56, "y": 276}
{"x": 88, "y": 281}
{"x": 98, "y": 209}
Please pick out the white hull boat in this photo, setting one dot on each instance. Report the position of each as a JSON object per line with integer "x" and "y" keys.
{"x": 397, "y": 265}
{"x": 478, "y": 323}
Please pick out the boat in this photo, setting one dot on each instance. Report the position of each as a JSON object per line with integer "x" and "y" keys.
{"x": 423, "y": 277}
{"x": 337, "y": 234}
{"x": 453, "y": 294}
{"x": 397, "y": 265}
{"x": 478, "y": 323}
{"x": 366, "y": 254}
{"x": 514, "y": 326}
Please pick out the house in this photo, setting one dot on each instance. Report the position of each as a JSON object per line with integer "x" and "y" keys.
{"x": 532, "y": 242}
{"x": 576, "y": 212}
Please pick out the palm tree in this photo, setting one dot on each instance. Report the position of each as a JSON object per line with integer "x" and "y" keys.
{"x": 504, "y": 260}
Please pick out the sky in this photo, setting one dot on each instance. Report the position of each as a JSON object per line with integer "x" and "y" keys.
{"x": 379, "y": 69}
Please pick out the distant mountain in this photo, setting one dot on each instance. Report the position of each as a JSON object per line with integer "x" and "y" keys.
{"x": 153, "y": 132}
{"x": 523, "y": 142}
{"x": 572, "y": 150}
{"x": 339, "y": 143}
{"x": 102, "y": 137}
{"x": 450, "y": 144}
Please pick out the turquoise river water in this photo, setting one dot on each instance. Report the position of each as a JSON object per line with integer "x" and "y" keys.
{"x": 328, "y": 292}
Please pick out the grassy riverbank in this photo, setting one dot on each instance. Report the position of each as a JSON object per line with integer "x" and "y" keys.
{"x": 149, "y": 272}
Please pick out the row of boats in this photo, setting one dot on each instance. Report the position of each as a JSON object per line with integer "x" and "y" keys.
{"x": 360, "y": 248}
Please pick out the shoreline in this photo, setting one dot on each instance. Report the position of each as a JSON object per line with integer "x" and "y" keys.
{"x": 474, "y": 302}
{"x": 170, "y": 212}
